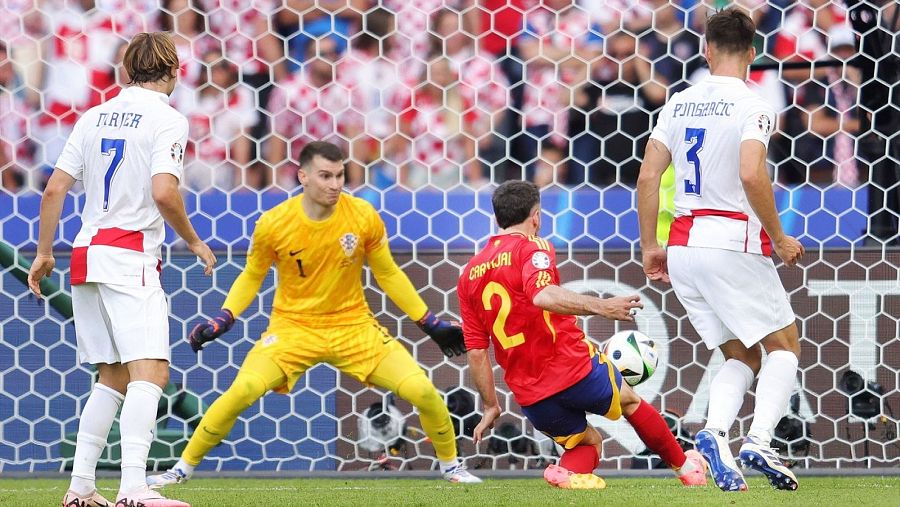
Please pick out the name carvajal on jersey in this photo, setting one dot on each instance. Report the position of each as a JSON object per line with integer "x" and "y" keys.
{"x": 119, "y": 120}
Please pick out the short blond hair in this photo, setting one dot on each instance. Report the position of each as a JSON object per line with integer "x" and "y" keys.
{"x": 151, "y": 57}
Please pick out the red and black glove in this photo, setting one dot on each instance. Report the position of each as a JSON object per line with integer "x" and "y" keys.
{"x": 448, "y": 335}
{"x": 205, "y": 332}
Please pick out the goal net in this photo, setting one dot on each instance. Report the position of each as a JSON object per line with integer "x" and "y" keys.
{"x": 435, "y": 102}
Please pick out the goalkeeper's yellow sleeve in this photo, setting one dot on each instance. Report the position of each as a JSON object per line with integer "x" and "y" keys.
{"x": 394, "y": 282}
{"x": 243, "y": 291}
{"x": 259, "y": 260}
{"x": 666, "y": 206}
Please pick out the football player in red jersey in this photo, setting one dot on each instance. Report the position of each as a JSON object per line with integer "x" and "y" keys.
{"x": 510, "y": 295}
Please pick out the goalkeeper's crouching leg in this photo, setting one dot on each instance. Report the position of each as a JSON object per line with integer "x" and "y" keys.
{"x": 433, "y": 414}
{"x": 255, "y": 379}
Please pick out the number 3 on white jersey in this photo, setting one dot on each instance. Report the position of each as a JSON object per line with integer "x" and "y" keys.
{"x": 694, "y": 136}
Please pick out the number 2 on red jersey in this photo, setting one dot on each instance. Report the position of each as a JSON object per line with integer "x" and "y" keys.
{"x": 499, "y": 327}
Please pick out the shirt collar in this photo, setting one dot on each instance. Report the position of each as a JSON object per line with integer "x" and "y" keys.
{"x": 145, "y": 94}
{"x": 724, "y": 79}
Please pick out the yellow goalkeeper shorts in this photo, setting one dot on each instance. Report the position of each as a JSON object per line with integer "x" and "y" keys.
{"x": 355, "y": 349}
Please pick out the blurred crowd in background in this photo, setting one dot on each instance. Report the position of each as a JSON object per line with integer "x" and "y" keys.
{"x": 422, "y": 92}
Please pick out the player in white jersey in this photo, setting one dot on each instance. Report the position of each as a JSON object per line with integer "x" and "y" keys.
{"x": 726, "y": 226}
{"x": 128, "y": 154}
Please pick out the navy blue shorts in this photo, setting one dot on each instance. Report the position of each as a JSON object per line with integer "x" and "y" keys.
{"x": 563, "y": 416}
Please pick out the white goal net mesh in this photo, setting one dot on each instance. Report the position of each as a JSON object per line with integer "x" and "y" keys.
{"x": 436, "y": 101}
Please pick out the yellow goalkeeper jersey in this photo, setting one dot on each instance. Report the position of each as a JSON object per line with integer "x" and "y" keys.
{"x": 318, "y": 263}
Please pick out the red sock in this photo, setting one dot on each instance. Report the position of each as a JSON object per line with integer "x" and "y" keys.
{"x": 581, "y": 459}
{"x": 652, "y": 429}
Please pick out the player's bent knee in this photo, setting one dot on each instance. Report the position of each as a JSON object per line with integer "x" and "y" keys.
{"x": 787, "y": 339}
{"x": 421, "y": 393}
{"x": 246, "y": 389}
{"x": 628, "y": 400}
{"x": 751, "y": 356}
{"x": 155, "y": 371}
{"x": 574, "y": 440}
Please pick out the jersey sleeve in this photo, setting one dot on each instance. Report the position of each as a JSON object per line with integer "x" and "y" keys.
{"x": 261, "y": 254}
{"x": 661, "y": 130}
{"x": 71, "y": 160}
{"x": 538, "y": 267}
{"x": 474, "y": 333}
{"x": 376, "y": 232}
{"x": 167, "y": 155}
{"x": 759, "y": 124}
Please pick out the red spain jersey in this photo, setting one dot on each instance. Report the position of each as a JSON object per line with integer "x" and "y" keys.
{"x": 541, "y": 353}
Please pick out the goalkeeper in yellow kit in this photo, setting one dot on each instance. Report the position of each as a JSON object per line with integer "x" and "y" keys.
{"x": 318, "y": 242}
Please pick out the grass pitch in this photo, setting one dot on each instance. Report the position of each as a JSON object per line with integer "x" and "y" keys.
{"x": 202, "y": 492}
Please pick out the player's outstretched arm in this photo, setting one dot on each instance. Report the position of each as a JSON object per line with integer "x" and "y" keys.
{"x": 556, "y": 299}
{"x": 395, "y": 283}
{"x": 656, "y": 160}
{"x": 483, "y": 378}
{"x": 51, "y": 208}
{"x": 244, "y": 289}
{"x": 171, "y": 207}
{"x": 758, "y": 188}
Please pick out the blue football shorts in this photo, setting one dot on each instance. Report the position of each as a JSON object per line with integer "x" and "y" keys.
{"x": 563, "y": 416}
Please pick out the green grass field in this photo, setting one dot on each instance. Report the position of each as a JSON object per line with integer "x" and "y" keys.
{"x": 820, "y": 491}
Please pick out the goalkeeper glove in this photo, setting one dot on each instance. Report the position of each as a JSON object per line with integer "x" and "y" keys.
{"x": 448, "y": 336}
{"x": 205, "y": 332}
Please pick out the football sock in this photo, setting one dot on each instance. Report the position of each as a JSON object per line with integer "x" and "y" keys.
{"x": 726, "y": 394}
{"x": 581, "y": 459}
{"x": 447, "y": 465}
{"x": 185, "y": 467}
{"x": 654, "y": 432}
{"x": 93, "y": 429}
{"x": 249, "y": 385}
{"x": 137, "y": 422}
{"x": 776, "y": 383}
{"x": 433, "y": 414}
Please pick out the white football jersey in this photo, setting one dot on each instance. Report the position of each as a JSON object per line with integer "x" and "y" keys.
{"x": 703, "y": 128}
{"x": 115, "y": 149}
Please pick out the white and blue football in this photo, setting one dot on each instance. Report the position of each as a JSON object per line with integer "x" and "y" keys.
{"x": 634, "y": 354}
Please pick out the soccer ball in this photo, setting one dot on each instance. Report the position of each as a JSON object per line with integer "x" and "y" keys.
{"x": 634, "y": 354}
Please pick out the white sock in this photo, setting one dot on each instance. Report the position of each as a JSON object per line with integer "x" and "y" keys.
{"x": 447, "y": 465}
{"x": 776, "y": 383}
{"x": 726, "y": 394}
{"x": 93, "y": 429}
{"x": 137, "y": 422}
{"x": 184, "y": 467}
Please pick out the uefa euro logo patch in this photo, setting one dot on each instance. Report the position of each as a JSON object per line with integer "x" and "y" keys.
{"x": 540, "y": 260}
{"x": 764, "y": 123}
{"x": 177, "y": 152}
{"x": 348, "y": 242}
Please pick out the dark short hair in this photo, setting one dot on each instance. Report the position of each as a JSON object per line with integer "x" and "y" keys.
{"x": 151, "y": 57}
{"x": 730, "y": 30}
{"x": 514, "y": 201}
{"x": 324, "y": 149}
